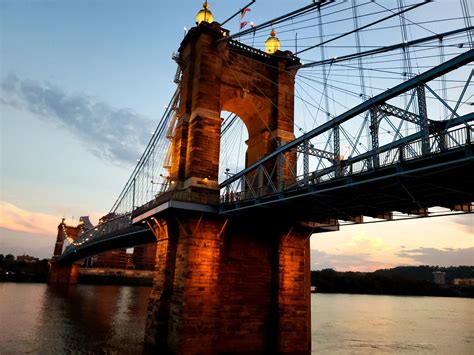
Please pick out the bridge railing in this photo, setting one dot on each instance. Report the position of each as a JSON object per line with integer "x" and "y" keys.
{"x": 392, "y": 154}
{"x": 103, "y": 229}
{"x": 203, "y": 197}
{"x": 247, "y": 49}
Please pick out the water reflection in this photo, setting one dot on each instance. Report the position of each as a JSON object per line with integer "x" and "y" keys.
{"x": 361, "y": 324}
{"x": 20, "y": 316}
{"x": 83, "y": 319}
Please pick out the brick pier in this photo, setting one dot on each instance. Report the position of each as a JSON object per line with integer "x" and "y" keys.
{"x": 227, "y": 285}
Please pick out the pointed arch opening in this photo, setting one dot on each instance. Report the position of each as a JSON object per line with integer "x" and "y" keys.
{"x": 233, "y": 145}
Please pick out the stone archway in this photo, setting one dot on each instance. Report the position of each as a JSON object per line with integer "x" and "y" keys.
{"x": 233, "y": 145}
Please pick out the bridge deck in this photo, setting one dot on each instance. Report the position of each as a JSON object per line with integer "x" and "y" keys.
{"x": 125, "y": 238}
{"x": 432, "y": 181}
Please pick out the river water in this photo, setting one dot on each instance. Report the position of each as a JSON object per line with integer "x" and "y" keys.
{"x": 86, "y": 319}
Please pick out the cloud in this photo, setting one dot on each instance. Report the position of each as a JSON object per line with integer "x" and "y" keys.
{"x": 18, "y": 243}
{"x": 370, "y": 247}
{"x": 466, "y": 222}
{"x": 118, "y": 135}
{"x": 346, "y": 262}
{"x": 366, "y": 242}
{"x": 441, "y": 257}
{"x": 361, "y": 252}
{"x": 17, "y": 219}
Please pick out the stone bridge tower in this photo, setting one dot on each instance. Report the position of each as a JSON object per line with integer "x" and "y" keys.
{"x": 220, "y": 75}
{"x": 66, "y": 274}
{"x": 227, "y": 284}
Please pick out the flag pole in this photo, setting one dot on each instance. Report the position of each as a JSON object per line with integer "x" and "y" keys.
{"x": 238, "y": 12}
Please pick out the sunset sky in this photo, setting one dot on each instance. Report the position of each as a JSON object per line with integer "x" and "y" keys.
{"x": 82, "y": 86}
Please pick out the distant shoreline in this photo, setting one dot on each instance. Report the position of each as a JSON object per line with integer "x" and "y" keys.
{"x": 399, "y": 281}
{"x": 115, "y": 277}
{"x": 115, "y": 280}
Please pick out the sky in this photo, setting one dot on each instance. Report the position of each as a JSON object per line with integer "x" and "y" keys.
{"x": 82, "y": 86}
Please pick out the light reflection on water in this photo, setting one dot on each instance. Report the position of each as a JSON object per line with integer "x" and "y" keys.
{"x": 86, "y": 319}
{"x": 79, "y": 319}
{"x": 361, "y": 324}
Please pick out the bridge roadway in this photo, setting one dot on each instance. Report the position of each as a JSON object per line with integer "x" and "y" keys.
{"x": 89, "y": 244}
{"x": 409, "y": 187}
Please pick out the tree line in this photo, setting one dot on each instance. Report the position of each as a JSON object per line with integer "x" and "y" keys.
{"x": 22, "y": 271}
{"x": 404, "y": 280}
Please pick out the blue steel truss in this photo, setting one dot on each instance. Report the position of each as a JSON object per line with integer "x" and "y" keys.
{"x": 264, "y": 176}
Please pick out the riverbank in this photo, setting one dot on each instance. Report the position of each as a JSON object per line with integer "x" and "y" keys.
{"x": 37, "y": 272}
{"x": 400, "y": 281}
{"x": 115, "y": 277}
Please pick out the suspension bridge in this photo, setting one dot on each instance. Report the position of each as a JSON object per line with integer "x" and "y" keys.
{"x": 355, "y": 113}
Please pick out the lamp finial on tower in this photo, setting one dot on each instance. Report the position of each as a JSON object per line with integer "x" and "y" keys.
{"x": 272, "y": 44}
{"x": 204, "y": 15}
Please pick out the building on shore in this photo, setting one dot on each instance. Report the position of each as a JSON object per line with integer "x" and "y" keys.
{"x": 468, "y": 282}
{"x": 144, "y": 257}
{"x": 439, "y": 277}
{"x": 27, "y": 259}
{"x": 115, "y": 259}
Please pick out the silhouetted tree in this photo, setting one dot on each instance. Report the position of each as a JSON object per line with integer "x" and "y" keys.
{"x": 403, "y": 280}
